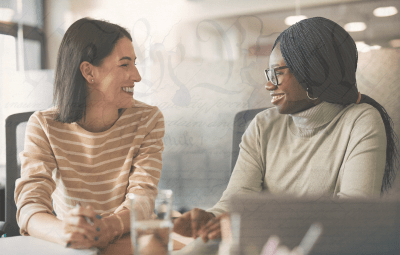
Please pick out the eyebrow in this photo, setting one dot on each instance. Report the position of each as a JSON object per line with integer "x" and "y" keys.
{"x": 275, "y": 65}
{"x": 128, "y": 58}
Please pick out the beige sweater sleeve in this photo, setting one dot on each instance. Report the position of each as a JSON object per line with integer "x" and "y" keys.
{"x": 33, "y": 190}
{"x": 362, "y": 171}
{"x": 147, "y": 164}
{"x": 248, "y": 174}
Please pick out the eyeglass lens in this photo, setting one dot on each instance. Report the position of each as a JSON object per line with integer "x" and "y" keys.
{"x": 271, "y": 76}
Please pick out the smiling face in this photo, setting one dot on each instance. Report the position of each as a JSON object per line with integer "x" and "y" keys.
{"x": 115, "y": 78}
{"x": 289, "y": 96}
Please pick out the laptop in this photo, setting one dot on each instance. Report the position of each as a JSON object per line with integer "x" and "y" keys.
{"x": 349, "y": 227}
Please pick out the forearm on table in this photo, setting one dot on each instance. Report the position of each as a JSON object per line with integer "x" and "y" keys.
{"x": 45, "y": 226}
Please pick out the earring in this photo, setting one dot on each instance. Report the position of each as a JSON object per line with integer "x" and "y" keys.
{"x": 92, "y": 80}
{"x": 309, "y": 95}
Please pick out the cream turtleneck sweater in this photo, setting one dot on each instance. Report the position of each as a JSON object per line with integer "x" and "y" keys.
{"x": 328, "y": 149}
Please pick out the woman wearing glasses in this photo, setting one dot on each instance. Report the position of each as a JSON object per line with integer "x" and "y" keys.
{"x": 322, "y": 138}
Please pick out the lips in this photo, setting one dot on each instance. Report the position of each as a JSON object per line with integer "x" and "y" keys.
{"x": 276, "y": 97}
{"x": 128, "y": 89}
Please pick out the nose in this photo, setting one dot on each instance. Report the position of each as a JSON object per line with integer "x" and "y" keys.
{"x": 135, "y": 76}
{"x": 269, "y": 86}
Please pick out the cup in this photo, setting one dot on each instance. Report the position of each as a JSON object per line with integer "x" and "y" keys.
{"x": 152, "y": 234}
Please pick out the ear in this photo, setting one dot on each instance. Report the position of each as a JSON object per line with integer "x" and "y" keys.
{"x": 87, "y": 71}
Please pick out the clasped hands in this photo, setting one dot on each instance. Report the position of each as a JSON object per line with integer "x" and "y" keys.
{"x": 199, "y": 223}
{"x": 83, "y": 233}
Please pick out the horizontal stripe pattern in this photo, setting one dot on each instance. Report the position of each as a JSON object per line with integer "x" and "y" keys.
{"x": 63, "y": 164}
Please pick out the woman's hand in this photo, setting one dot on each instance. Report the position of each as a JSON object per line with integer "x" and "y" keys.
{"x": 272, "y": 248}
{"x": 191, "y": 222}
{"x": 104, "y": 232}
{"x": 84, "y": 229}
{"x": 212, "y": 230}
{"x": 78, "y": 232}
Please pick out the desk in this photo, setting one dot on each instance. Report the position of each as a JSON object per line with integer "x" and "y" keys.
{"x": 23, "y": 245}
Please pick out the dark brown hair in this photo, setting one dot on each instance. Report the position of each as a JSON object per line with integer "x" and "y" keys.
{"x": 85, "y": 40}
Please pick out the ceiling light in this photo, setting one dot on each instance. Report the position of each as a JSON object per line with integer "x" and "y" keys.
{"x": 362, "y": 47}
{"x": 375, "y": 47}
{"x": 294, "y": 19}
{"x": 395, "y": 43}
{"x": 355, "y": 26}
{"x": 385, "y": 11}
{"x": 6, "y": 14}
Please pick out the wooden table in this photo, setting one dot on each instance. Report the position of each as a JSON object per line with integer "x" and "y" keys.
{"x": 123, "y": 246}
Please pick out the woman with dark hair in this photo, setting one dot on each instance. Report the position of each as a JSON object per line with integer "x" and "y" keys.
{"x": 85, "y": 155}
{"x": 323, "y": 138}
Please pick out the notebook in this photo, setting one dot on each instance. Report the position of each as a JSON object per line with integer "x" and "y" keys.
{"x": 353, "y": 227}
{"x": 23, "y": 245}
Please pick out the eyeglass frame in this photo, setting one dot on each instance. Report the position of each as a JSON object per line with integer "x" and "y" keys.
{"x": 277, "y": 68}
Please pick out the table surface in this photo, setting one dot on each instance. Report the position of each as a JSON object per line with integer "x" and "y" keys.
{"x": 22, "y": 245}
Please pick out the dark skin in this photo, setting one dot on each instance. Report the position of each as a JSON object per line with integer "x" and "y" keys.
{"x": 292, "y": 99}
{"x": 198, "y": 223}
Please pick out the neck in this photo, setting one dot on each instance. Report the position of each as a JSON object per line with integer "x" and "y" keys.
{"x": 99, "y": 118}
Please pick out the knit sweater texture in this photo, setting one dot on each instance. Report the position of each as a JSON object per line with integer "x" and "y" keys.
{"x": 63, "y": 164}
{"x": 327, "y": 150}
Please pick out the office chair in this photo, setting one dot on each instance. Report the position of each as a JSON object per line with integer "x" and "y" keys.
{"x": 13, "y": 171}
{"x": 240, "y": 124}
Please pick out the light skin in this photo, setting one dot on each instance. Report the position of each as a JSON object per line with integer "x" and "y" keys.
{"x": 105, "y": 86}
{"x": 198, "y": 222}
{"x": 105, "y": 97}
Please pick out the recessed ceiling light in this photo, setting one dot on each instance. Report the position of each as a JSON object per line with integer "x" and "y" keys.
{"x": 362, "y": 46}
{"x": 355, "y": 26}
{"x": 6, "y": 14}
{"x": 294, "y": 19}
{"x": 395, "y": 43}
{"x": 385, "y": 11}
{"x": 375, "y": 47}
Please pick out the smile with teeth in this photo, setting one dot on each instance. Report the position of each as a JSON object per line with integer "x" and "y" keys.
{"x": 276, "y": 98}
{"x": 128, "y": 89}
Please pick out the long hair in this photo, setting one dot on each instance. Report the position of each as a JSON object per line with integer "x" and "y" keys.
{"x": 323, "y": 58}
{"x": 85, "y": 40}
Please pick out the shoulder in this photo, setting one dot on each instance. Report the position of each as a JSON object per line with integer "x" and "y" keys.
{"x": 364, "y": 121}
{"x": 43, "y": 117}
{"x": 362, "y": 114}
{"x": 147, "y": 115}
{"x": 268, "y": 117}
{"x": 144, "y": 108}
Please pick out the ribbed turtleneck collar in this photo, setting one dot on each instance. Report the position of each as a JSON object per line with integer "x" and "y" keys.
{"x": 316, "y": 116}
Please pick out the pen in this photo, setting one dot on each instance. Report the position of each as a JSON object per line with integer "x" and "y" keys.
{"x": 310, "y": 238}
{"x": 88, "y": 220}
{"x": 308, "y": 242}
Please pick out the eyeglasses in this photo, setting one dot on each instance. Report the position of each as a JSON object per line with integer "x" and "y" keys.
{"x": 270, "y": 74}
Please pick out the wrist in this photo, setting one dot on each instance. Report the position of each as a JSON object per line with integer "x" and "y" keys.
{"x": 115, "y": 226}
{"x": 108, "y": 230}
{"x": 212, "y": 215}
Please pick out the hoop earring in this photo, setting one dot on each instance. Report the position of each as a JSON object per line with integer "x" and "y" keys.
{"x": 310, "y": 97}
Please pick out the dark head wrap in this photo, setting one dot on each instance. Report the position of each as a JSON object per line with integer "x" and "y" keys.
{"x": 323, "y": 58}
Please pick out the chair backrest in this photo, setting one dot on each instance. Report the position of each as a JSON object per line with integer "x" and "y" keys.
{"x": 240, "y": 123}
{"x": 14, "y": 145}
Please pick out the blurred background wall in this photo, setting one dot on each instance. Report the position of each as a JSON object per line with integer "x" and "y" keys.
{"x": 201, "y": 62}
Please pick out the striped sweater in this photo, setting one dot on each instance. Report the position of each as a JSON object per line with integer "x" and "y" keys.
{"x": 63, "y": 164}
